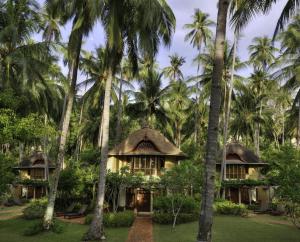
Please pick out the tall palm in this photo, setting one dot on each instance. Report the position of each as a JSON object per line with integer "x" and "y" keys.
{"x": 289, "y": 71}
{"x": 206, "y": 213}
{"x": 135, "y": 25}
{"x": 173, "y": 71}
{"x": 178, "y": 105}
{"x": 262, "y": 55}
{"x": 199, "y": 33}
{"x": 148, "y": 106}
{"x": 84, "y": 15}
{"x": 249, "y": 9}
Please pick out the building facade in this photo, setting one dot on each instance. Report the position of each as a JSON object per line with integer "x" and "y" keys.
{"x": 147, "y": 151}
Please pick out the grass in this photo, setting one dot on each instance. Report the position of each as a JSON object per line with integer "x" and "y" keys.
{"x": 12, "y": 231}
{"x": 233, "y": 229}
{"x": 9, "y": 212}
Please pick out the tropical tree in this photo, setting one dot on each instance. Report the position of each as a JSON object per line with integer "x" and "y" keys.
{"x": 289, "y": 64}
{"x": 132, "y": 24}
{"x": 206, "y": 213}
{"x": 148, "y": 106}
{"x": 84, "y": 15}
{"x": 177, "y": 108}
{"x": 200, "y": 33}
{"x": 249, "y": 9}
{"x": 173, "y": 71}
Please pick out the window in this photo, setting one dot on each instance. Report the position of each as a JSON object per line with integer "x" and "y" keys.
{"x": 235, "y": 172}
{"x": 145, "y": 164}
{"x": 37, "y": 174}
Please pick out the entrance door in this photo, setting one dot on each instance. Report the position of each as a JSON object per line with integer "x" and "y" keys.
{"x": 143, "y": 200}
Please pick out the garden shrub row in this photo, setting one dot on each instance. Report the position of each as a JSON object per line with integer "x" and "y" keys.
{"x": 229, "y": 208}
{"x": 35, "y": 209}
{"x": 167, "y": 218}
{"x": 114, "y": 220}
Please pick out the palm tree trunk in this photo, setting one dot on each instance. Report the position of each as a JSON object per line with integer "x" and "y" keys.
{"x": 100, "y": 135}
{"x": 206, "y": 213}
{"x": 283, "y": 127}
{"x": 96, "y": 228}
{"x": 227, "y": 116}
{"x": 79, "y": 138}
{"x": 48, "y": 217}
{"x": 298, "y": 129}
{"x": 118, "y": 129}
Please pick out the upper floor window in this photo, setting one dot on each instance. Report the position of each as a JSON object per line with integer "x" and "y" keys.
{"x": 149, "y": 165}
{"x": 235, "y": 172}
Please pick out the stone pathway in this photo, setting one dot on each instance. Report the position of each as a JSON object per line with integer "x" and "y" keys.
{"x": 141, "y": 230}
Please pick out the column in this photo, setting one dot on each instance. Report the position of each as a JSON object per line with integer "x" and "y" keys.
{"x": 240, "y": 196}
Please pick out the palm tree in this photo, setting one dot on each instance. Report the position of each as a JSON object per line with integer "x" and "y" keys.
{"x": 178, "y": 105}
{"x": 84, "y": 15}
{"x": 249, "y": 9}
{"x": 133, "y": 24}
{"x": 206, "y": 213}
{"x": 199, "y": 34}
{"x": 173, "y": 71}
{"x": 262, "y": 55}
{"x": 148, "y": 105}
{"x": 199, "y": 30}
{"x": 289, "y": 64}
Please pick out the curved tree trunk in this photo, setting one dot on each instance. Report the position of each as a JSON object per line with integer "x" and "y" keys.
{"x": 119, "y": 117}
{"x": 227, "y": 115}
{"x": 298, "y": 128}
{"x": 96, "y": 228}
{"x": 48, "y": 218}
{"x": 206, "y": 214}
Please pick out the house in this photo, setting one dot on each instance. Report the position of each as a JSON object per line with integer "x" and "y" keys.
{"x": 33, "y": 176}
{"x": 244, "y": 181}
{"x": 148, "y": 151}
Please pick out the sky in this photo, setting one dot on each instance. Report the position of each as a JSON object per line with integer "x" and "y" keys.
{"x": 262, "y": 25}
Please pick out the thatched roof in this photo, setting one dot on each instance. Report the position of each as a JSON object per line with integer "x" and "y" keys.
{"x": 146, "y": 141}
{"x": 36, "y": 160}
{"x": 238, "y": 154}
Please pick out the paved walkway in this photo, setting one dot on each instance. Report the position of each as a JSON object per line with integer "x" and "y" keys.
{"x": 141, "y": 230}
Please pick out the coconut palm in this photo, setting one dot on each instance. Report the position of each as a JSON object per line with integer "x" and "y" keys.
{"x": 177, "y": 108}
{"x": 137, "y": 25}
{"x": 199, "y": 34}
{"x": 173, "y": 71}
{"x": 84, "y": 15}
{"x": 206, "y": 213}
{"x": 289, "y": 64}
{"x": 148, "y": 106}
{"x": 249, "y": 9}
{"x": 262, "y": 53}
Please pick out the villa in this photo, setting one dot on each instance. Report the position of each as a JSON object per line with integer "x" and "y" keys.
{"x": 148, "y": 151}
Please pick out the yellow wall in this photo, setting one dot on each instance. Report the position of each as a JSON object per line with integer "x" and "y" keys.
{"x": 253, "y": 173}
{"x": 114, "y": 163}
{"x": 24, "y": 174}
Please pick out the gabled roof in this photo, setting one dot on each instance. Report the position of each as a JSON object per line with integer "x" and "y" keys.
{"x": 36, "y": 160}
{"x": 139, "y": 143}
{"x": 238, "y": 154}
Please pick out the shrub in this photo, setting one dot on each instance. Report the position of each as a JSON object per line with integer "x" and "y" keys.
{"x": 36, "y": 209}
{"x": 230, "y": 208}
{"x": 163, "y": 204}
{"x": 114, "y": 220}
{"x": 34, "y": 229}
{"x": 37, "y": 228}
{"x": 167, "y": 218}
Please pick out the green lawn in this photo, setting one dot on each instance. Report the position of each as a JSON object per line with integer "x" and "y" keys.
{"x": 12, "y": 230}
{"x": 233, "y": 229}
